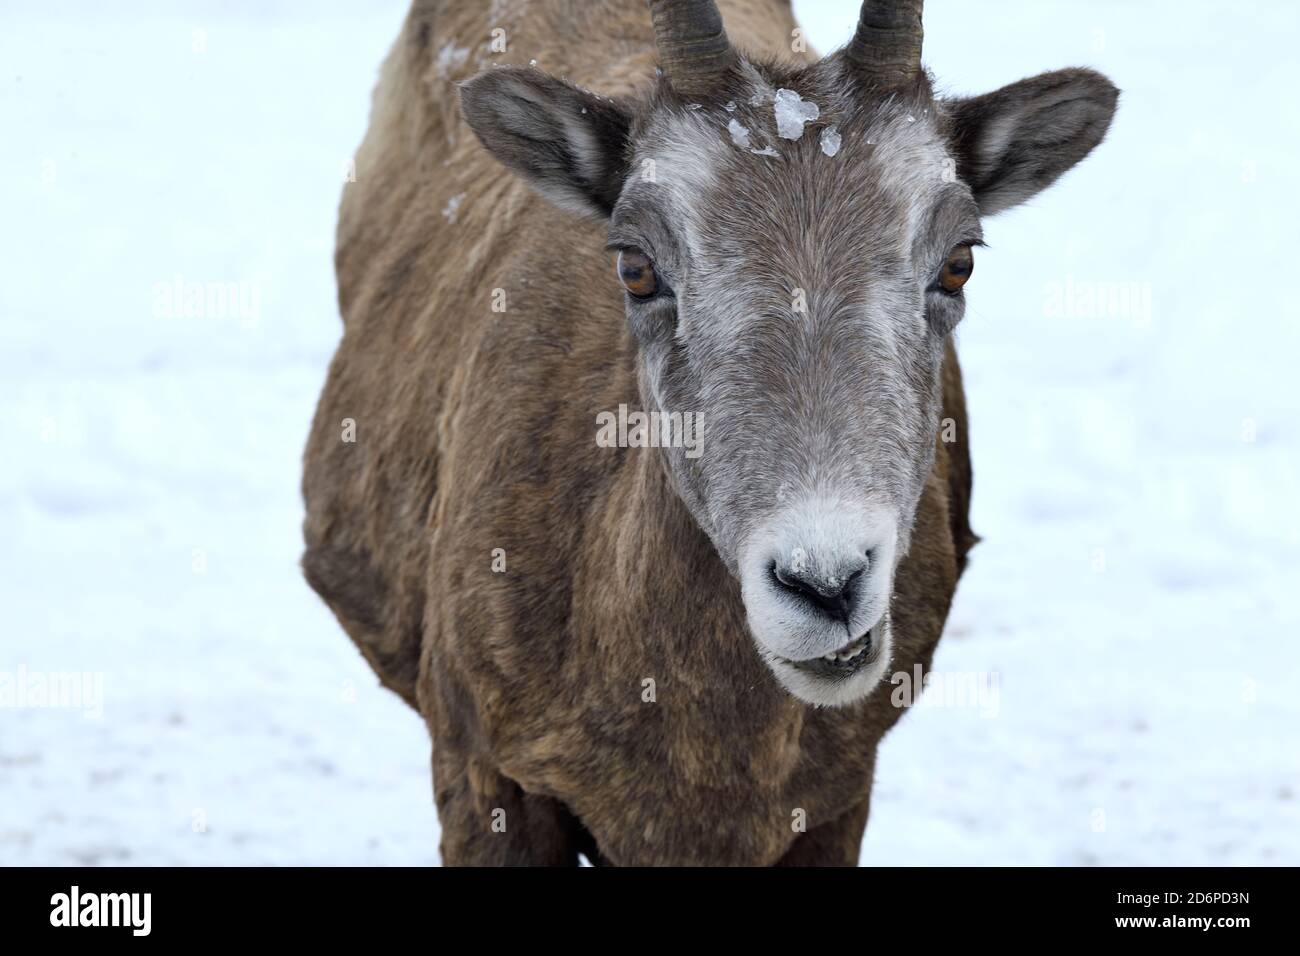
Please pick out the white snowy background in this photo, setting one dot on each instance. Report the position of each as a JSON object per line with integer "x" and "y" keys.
{"x": 1136, "y": 465}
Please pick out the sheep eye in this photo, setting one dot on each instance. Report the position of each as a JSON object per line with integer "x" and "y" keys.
{"x": 956, "y": 269}
{"x": 637, "y": 273}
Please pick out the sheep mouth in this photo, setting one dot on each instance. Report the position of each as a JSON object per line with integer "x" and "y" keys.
{"x": 844, "y": 662}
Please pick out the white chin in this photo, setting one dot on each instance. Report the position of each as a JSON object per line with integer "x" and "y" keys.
{"x": 837, "y": 683}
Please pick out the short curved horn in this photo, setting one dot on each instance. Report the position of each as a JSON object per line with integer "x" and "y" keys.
{"x": 693, "y": 48}
{"x": 887, "y": 47}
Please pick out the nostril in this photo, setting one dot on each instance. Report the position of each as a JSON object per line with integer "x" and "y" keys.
{"x": 851, "y": 582}
{"x": 834, "y": 597}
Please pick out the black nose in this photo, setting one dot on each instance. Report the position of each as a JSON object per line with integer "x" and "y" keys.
{"x": 833, "y": 597}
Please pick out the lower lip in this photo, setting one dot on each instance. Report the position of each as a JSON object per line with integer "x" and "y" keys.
{"x": 820, "y": 667}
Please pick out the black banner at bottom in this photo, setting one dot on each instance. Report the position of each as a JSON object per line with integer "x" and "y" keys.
{"x": 337, "y": 906}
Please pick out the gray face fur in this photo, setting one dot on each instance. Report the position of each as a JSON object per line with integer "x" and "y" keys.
{"x": 799, "y": 314}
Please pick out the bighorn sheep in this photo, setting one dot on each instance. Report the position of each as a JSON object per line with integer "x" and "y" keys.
{"x": 641, "y": 654}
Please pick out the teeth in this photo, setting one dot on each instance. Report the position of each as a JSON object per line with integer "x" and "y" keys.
{"x": 856, "y": 649}
{"x": 849, "y": 653}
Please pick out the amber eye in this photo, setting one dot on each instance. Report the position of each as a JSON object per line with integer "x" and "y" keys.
{"x": 956, "y": 270}
{"x": 637, "y": 273}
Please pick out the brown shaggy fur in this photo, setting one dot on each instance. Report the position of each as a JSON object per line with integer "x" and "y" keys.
{"x": 475, "y": 430}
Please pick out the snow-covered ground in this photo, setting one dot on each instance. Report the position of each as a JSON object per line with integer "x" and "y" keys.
{"x": 1129, "y": 353}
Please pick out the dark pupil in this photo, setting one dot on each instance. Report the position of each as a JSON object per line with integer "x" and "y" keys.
{"x": 959, "y": 266}
{"x": 633, "y": 274}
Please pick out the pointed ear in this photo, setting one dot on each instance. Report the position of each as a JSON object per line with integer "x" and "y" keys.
{"x": 1015, "y": 142}
{"x": 567, "y": 143}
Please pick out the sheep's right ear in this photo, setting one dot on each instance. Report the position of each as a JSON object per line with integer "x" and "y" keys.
{"x": 569, "y": 144}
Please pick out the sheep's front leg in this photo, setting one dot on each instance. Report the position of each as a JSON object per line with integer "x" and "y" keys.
{"x": 834, "y": 843}
{"x": 488, "y": 820}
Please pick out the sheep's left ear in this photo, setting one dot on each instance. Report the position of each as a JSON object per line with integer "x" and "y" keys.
{"x": 1015, "y": 142}
{"x": 569, "y": 144}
